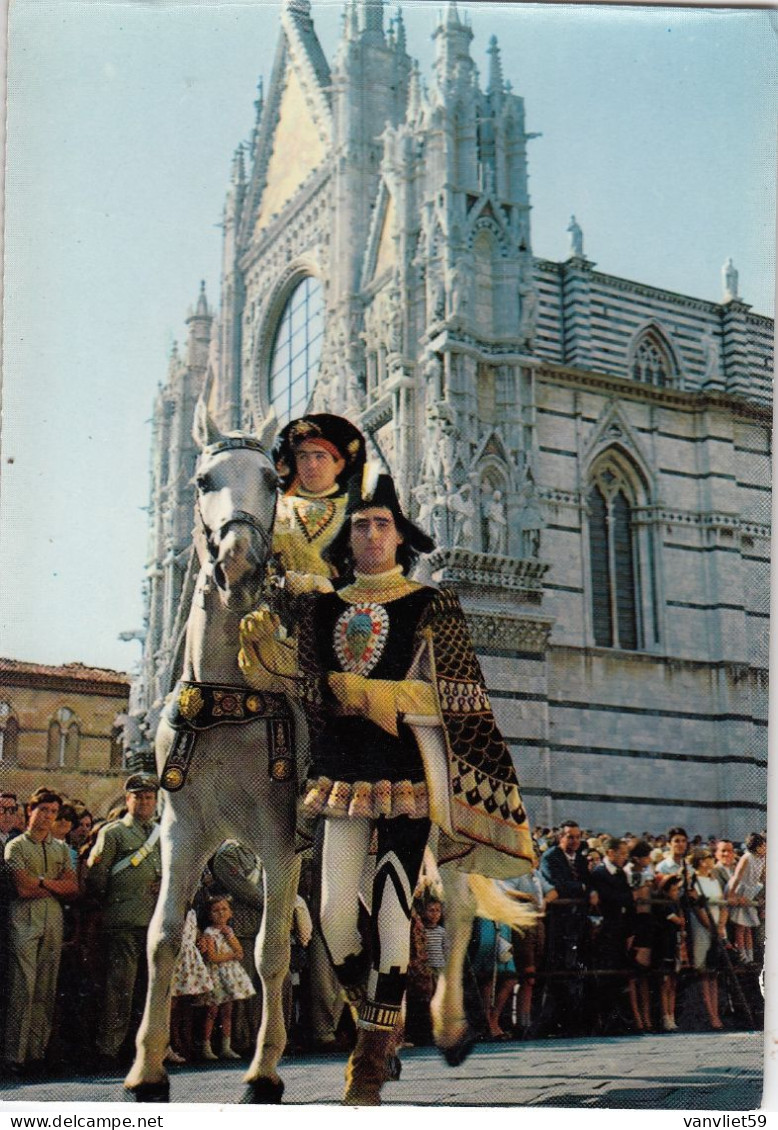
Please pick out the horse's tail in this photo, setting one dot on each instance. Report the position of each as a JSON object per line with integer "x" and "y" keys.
{"x": 493, "y": 903}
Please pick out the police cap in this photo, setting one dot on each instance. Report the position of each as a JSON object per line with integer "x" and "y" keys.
{"x": 141, "y": 782}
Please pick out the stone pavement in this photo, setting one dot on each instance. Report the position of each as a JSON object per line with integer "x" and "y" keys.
{"x": 693, "y": 1071}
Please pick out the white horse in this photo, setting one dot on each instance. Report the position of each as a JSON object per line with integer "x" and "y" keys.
{"x": 240, "y": 781}
{"x": 236, "y": 779}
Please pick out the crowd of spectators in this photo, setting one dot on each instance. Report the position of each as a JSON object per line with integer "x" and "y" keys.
{"x": 635, "y": 933}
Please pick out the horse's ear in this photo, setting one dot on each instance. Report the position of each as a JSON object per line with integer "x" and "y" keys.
{"x": 204, "y": 430}
{"x": 266, "y": 431}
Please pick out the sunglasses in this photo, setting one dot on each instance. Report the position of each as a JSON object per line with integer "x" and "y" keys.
{"x": 9, "y": 808}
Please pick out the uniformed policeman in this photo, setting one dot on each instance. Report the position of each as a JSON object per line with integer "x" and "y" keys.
{"x": 123, "y": 874}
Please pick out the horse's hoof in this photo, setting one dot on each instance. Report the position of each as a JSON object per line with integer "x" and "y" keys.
{"x": 263, "y": 1092}
{"x": 148, "y": 1092}
{"x": 457, "y": 1053}
{"x": 393, "y": 1068}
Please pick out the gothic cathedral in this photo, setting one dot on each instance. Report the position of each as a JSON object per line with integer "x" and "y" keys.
{"x": 590, "y": 454}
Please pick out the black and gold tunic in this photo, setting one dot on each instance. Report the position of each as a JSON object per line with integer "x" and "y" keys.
{"x": 399, "y": 716}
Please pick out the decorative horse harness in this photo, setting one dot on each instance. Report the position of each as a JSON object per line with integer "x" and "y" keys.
{"x": 196, "y": 707}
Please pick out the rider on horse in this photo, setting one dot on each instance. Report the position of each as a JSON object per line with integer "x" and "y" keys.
{"x": 315, "y": 456}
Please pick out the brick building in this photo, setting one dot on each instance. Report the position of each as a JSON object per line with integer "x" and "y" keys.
{"x": 62, "y": 726}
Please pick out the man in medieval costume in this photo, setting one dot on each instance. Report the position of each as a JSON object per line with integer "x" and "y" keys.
{"x": 375, "y": 664}
{"x": 315, "y": 456}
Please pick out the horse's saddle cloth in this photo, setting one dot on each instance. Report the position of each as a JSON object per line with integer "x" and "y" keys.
{"x": 195, "y": 707}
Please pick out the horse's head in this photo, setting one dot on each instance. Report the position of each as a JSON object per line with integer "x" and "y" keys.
{"x": 237, "y": 486}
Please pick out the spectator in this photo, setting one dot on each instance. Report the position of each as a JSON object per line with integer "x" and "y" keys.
{"x": 237, "y": 872}
{"x": 190, "y": 986}
{"x": 420, "y": 987}
{"x": 640, "y": 876}
{"x": 9, "y": 813}
{"x": 675, "y": 862}
{"x": 529, "y": 946}
{"x": 123, "y": 874}
{"x": 9, "y": 809}
{"x": 724, "y": 868}
{"x": 42, "y": 874}
{"x": 616, "y": 906}
{"x": 436, "y": 936}
{"x": 222, "y": 952}
{"x": 708, "y": 923}
{"x": 564, "y": 870}
{"x": 82, "y": 830}
{"x": 63, "y": 828}
{"x": 670, "y": 925}
{"x": 491, "y": 958}
{"x": 748, "y": 881}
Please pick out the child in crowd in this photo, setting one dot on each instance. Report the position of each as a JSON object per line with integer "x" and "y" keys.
{"x": 191, "y": 985}
{"x": 437, "y": 938}
{"x": 223, "y": 953}
{"x": 671, "y": 924}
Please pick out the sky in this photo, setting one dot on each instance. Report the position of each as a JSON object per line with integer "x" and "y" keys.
{"x": 658, "y": 131}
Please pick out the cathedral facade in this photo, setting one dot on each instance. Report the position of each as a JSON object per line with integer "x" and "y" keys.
{"x": 590, "y": 454}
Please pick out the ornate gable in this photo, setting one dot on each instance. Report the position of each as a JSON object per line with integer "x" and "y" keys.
{"x": 296, "y": 132}
{"x": 614, "y": 430}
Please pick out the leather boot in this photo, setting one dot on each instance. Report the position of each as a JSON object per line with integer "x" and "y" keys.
{"x": 366, "y": 1070}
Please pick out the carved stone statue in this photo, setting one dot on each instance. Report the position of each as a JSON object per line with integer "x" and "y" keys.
{"x": 449, "y": 435}
{"x": 436, "y": 294}
{"x": 576, "y": 238}
{"x": 440, "y": 521}
{"x": 496, "y": 525}
{"x": 394, "y": 321}
{"x": 710, "y": 352}
{"x": 730, "y": 277}
{"x": 458, "y": 286}
{"x": 433, "y": 376}
{"x": 463, "y": 509}
{"x": 425, "y": 500}
{"x": 528, "y": 301}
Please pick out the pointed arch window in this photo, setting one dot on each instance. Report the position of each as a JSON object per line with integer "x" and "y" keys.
{"x": 9, "y": 735}
{"x": 614, "y": 552}
{"x": 652, "y": 361}
{"x": 296, "y": 352}
{"x": 64, "y": 740}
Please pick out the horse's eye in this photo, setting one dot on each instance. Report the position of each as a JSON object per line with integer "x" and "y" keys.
{"x": 203, "y": 483}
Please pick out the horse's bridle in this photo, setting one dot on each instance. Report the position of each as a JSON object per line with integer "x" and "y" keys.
{"x": 214, "y": 537}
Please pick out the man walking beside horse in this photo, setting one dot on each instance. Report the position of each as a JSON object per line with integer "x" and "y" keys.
{"x": 376, "y": 653}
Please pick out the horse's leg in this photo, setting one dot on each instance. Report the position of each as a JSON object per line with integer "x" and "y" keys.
{"x": 272, "y": 956}
{"x": 147, "y": 1079}
{"x": 452, "y": 1033}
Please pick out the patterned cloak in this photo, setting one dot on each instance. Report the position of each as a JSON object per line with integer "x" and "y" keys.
{"x": 474, "y": 795}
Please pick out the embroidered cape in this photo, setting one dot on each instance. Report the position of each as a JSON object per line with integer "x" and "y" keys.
{"x": 473, "y": 789}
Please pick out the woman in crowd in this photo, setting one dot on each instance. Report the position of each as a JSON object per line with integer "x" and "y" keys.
{"x": 708, "y": 924}
{"x": 748, "y": 881}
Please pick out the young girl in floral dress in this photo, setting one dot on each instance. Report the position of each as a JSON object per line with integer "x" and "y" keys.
{"x": 222, "y": 952}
